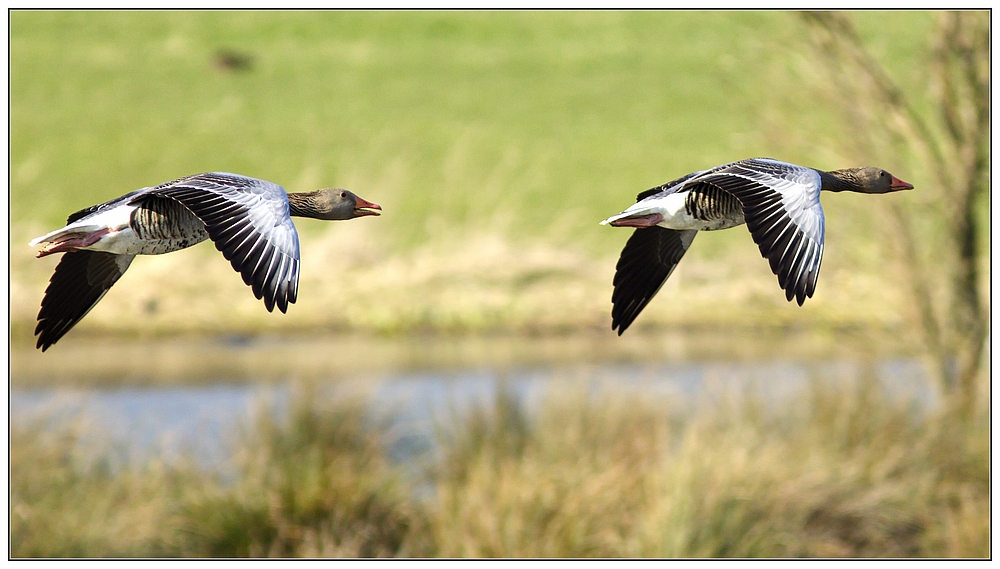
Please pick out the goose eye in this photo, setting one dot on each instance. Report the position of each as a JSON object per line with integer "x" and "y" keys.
{"x": 882, "y": 174}
{"x": 343, "y": 194}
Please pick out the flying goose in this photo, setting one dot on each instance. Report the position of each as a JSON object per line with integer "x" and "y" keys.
{"x": 778, "y": 201}
{"x": 247, "y": 219}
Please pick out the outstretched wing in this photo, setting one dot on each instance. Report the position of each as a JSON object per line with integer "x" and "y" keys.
{"x": 79, "y": 282}
{"x": 248, "y": 220}
{"x": 783, "y": 213}
{"x": 647, "y": 260}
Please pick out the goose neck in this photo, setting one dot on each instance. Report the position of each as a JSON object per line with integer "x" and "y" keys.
{"x": 302, "y": 204}
{"x": 838, "y": 181}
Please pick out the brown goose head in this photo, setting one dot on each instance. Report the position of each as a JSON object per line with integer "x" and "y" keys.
{"x": 865, "y": 180}
{"x": 331, "y": 204}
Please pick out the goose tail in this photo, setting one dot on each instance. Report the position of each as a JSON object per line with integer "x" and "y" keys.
{"x": 52, "y": 236}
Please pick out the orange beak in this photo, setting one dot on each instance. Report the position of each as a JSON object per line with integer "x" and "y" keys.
{"x": 898, "y": 185}
{"x": 364, "y": 207}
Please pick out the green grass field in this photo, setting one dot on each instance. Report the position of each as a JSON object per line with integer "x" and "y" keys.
{"x": 495, "y": 141}
{"x": 451, "y": 119}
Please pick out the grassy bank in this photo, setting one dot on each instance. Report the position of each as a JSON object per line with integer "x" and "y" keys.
{"x": 841, "y": 471}
{"x": 278, "y": 359}
{"x": 481, "y": 285}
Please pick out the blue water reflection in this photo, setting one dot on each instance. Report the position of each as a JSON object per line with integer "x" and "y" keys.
{"x": 205, "y": 421}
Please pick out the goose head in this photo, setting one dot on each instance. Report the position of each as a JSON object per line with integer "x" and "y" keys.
{"x": 331, "y": 204}
{"x": 865, "y": 180}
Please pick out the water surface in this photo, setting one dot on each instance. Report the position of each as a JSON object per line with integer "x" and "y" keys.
{"x": 204, "y": 420}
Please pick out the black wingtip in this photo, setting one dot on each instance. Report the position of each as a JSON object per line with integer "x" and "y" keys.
{"x": 41, "y": 343}
{"x": 49, "y": 333}
{"x": 618, "y": 324}
{"x": 78, "y": 283}
{"x": 645, "y": 263}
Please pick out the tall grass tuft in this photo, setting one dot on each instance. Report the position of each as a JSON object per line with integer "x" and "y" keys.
{"x": 314, "y": 483}
{"x": 71, "y": 497}
{"x": 569, "y": 484}
{"x": 844, "y": 472}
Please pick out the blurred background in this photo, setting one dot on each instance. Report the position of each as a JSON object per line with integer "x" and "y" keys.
{"x": 448, "y": 383}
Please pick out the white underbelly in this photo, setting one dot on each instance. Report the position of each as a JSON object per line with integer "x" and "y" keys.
{"x": 673, "y": 213}
{"x": 126, "y": 242}
{"x": 676, "y": 216}
{"x": 688, "y": 222}
{"x": 117, "y": 235}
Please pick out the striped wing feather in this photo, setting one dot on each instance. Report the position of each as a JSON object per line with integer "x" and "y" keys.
{"x": 248, "y": 221}
{"x": 784, "y": 217}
